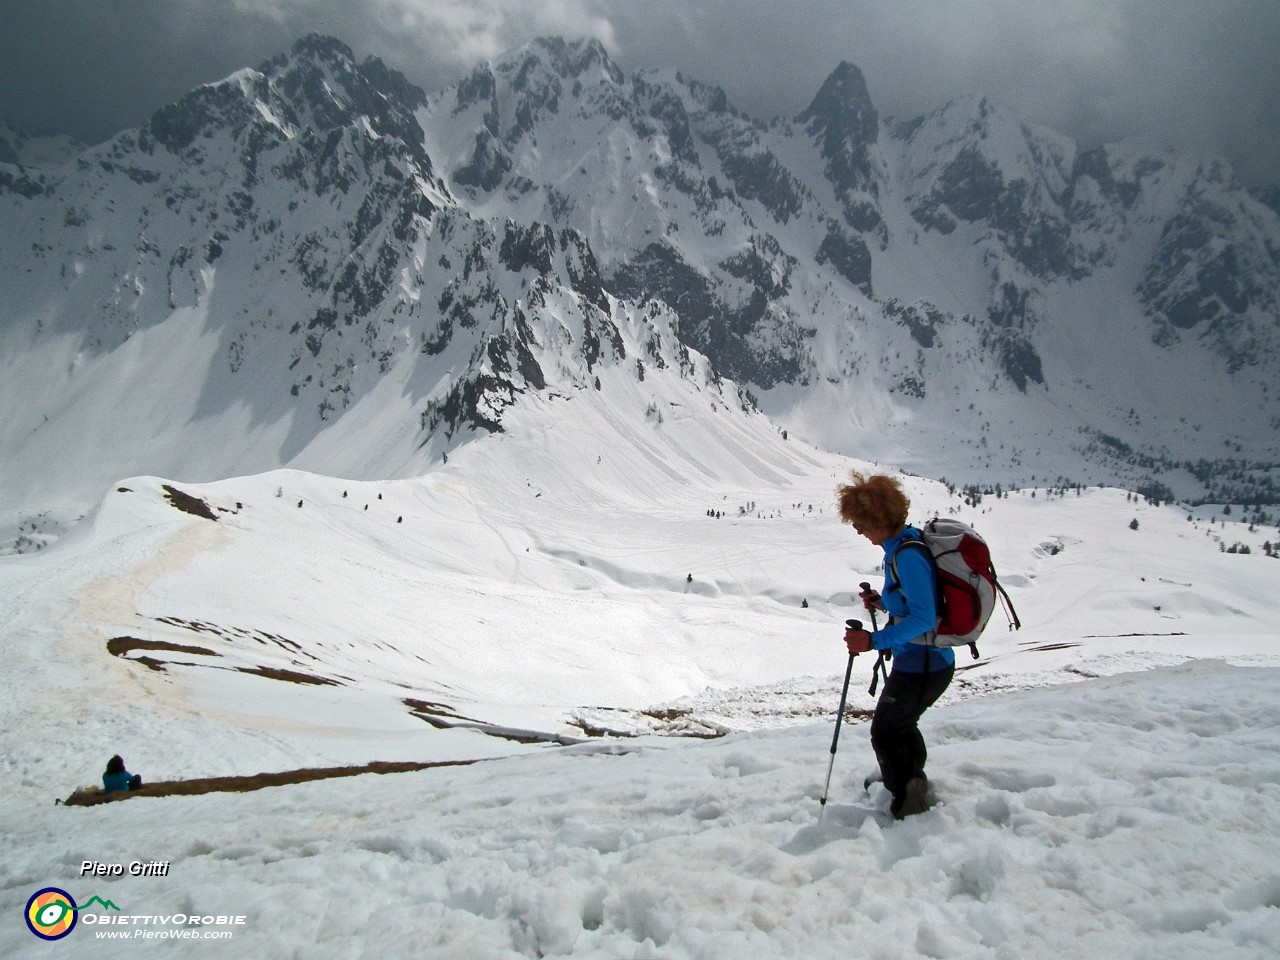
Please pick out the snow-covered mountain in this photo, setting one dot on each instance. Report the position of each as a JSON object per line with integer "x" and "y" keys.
{"x": 598, "y": 652}
{"x": 315, "y": 264}
{"x": 270, "y": 272}
{"x": 962, "y": 294}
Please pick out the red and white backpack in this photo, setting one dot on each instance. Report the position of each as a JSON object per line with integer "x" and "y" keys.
{"x": 967, "y": 586}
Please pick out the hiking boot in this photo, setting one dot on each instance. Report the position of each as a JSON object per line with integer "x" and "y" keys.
{"x": 914, "y": 799}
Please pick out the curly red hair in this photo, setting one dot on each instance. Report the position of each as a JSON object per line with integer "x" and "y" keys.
{"x": 873, "y": 502}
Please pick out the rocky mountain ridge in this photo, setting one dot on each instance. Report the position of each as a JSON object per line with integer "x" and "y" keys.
{"x": 841, "y": 245}
{"x": 315, "y": 263}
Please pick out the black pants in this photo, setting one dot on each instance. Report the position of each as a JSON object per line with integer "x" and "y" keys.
{"x": 895, "y": 735}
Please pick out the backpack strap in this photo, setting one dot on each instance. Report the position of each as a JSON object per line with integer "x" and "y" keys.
{"x": 1009, "y": 611}
{"x": 893, "y": 558}
{"x": 937, "y": 586}
{"x": 938, "y": 596}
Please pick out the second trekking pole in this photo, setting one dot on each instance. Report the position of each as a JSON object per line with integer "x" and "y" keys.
{"x": 879, "y": 668}
{"x": 866, "y": 588}
{"x": 835, "y": 738}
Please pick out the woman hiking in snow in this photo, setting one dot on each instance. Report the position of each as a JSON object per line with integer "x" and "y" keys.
{"x": 877, "y": 508}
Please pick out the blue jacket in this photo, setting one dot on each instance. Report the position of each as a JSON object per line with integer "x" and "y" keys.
{"x": 112, "y": 782}
{"x": 913, "y": 607}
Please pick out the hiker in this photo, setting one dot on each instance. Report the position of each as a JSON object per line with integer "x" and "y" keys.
{"x": 117, "y": 778}
{"x": 876, "y": 507}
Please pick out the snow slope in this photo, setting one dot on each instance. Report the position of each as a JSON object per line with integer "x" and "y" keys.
{"x": 1135, "y": 816}
{"x": 560, "y": 578}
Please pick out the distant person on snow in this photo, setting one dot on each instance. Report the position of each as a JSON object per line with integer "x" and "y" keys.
{"x": 876, "y": 507}
{"x": 117, "y": 779}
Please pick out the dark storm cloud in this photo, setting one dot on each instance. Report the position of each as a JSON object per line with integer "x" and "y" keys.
{"x": 92, "y": 67}
{"x": 1194, "y": 74}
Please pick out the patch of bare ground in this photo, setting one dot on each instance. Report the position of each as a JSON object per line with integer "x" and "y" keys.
{"x": 289, "y": 676}
{"x": 247, "y": 784}
{"x": 438, "y": 715}
{"x": 123, "y": 646}
{"x": 442, "y": 717}
{"x": 188, "y": 503}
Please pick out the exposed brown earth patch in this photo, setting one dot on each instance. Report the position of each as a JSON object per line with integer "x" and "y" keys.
{"x": 188, "y": 503}
{"x": 247, "y": 784}
{"x": 438, "y": 715}
{"x": 123, "y": 646}
{"x": 289, "y": 676}
{"x": 442, "y": 717}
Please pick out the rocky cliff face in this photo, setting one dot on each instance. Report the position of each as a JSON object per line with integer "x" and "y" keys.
{"x": 793, "y": 250}
{"x": 820, "y": 191}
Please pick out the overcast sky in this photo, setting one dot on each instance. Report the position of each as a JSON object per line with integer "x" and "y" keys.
{"x": 1200, "y": 75}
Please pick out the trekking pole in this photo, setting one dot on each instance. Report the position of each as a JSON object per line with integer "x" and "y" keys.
{"x": 835, "y": 739}
{"x": 879, "y": 665}
{"x": 866, "y": 588}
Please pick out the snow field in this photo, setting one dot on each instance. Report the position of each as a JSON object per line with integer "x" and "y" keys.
{"x": 539, "y": 582}
{"x": 525, "y": 585}
{"x": 1130, "y": 816}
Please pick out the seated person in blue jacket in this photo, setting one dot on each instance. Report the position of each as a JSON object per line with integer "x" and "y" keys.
{"x": 117, "y": 778}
